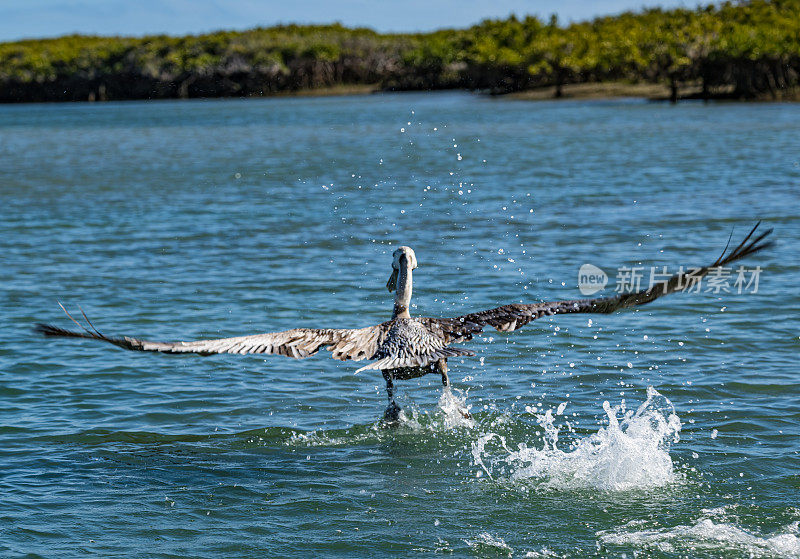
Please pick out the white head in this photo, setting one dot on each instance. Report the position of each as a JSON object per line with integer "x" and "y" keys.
{"x": 404, "y": 260}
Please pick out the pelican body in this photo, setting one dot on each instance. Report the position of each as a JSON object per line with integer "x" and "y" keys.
{"x": 407, "y": 347}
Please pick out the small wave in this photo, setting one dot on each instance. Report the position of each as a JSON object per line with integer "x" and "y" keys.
{"x": 335, "y": 437}
{"x": 103, "y": 437}
{"x": 99, "y": 437}
{"x": 543, "y": 553}
{"x": 706, "y": 536}
{"x": 631, "y": 453}
{"x": 485, "y": 543}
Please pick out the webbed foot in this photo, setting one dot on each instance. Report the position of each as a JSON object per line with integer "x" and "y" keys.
{"x": 392, "y": 413}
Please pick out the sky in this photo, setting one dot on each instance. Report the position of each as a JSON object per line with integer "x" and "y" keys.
{"x": 49, "y": 18}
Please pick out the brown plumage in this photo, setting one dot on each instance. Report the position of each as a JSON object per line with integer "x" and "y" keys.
{"x": 406, "y": 347}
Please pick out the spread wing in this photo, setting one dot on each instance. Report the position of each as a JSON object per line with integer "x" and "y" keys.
{"x": 297, "y": 343}
{"x": 511, "y": 317}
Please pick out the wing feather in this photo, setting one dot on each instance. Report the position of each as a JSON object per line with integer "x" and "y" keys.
{"x": 298, "y": 343}
{"x": 508, "y": 318}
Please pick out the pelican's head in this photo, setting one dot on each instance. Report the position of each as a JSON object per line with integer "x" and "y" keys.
{"x": 403, "y": 257}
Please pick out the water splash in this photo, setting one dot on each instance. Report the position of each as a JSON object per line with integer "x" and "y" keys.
{"x": 453, "y": 408}
{"x": 630, "y": 453}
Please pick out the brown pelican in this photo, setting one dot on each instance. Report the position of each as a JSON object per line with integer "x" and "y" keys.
{"x": 407, "y": 347}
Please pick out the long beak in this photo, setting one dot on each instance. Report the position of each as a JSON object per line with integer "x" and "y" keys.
{"x": 391, "y": 285}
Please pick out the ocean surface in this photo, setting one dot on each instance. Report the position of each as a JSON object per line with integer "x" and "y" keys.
{"x": 670, "y": 431}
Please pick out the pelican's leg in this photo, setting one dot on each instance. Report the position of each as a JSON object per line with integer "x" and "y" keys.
{"x": 441, "y": 368}
{"x": 392, "y": 412}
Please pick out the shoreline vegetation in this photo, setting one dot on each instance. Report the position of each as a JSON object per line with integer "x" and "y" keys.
{"x": 738, "y": 51}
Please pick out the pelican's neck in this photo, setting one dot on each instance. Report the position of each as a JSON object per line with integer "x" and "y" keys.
{"x": 402, "y": 299}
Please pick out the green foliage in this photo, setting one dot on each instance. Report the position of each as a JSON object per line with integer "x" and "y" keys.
{"x": 750, "y": 48}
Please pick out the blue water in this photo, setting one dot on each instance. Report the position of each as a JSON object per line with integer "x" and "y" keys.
{"x": 191, "y": 219}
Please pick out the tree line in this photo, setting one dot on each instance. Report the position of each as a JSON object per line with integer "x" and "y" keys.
{"x": 734, "y": 49}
